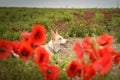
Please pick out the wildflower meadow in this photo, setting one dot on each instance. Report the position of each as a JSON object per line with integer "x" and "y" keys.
{"x": 23, "y": 57}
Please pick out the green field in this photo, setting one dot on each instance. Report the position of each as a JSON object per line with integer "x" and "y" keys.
{"x": 69, "y": 23}
{"x": 83, "y": 22}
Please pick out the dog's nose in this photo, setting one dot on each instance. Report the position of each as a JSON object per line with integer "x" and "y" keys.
{"x": 67, "y": 40}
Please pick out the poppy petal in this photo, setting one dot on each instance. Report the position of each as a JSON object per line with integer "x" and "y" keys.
{"x": 38, "y": 35}
{"x": 5, "y": 49}
{"x": 79, "y": 50}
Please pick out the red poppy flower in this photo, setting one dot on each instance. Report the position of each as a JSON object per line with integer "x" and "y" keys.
{"x": 25, "y": 36}
{"x": 38, "y": 35}
{"x": 107, "y": 65}
{"x": 16, "y": 45}
{"x": 105, "y": 40}
{"x": 50, "y": 72}
{"x": 88, "y": 72}
{"x": 79, "y": 50}
{"x": 73, "y": 69}
{"x": 103, "y": 65}
{"x": 87, "y": 43}
{"x": 25, "y": 51}
{"x": 79, "y": 69}
{"x": 5, "y": 49}
{"x": 93, "y": 54}
{"x": 106, "y": 51}
{"x": 116, "y": 58}
{"x": 41, "y": 56}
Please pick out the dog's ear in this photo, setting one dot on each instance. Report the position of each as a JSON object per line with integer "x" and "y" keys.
{"x": 53, "y": 35}
{"x": 56, "y": 32}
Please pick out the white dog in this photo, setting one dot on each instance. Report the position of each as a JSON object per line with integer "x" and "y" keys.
{"x": 54, "y": 45}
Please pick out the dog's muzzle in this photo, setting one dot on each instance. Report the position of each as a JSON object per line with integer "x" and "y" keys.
{"x": 64, "y": 43}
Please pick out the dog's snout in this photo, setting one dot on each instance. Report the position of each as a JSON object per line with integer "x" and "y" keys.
{"x": 67, "y": 40}
{"x": 63, "y": 41}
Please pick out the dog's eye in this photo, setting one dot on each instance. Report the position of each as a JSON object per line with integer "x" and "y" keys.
{"x": 60, "y": 38}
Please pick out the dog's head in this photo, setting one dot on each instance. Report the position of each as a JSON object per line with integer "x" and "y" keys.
{"x": 58, "y": 41}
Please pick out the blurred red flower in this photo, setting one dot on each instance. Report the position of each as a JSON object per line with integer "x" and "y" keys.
{"x": 87, "y": 43}
{"x": 5, "y": 49}
{"x": 25, "y": 51}
{"x": 92, "y": 53}
{"x": 103, "y": 65}
{"x": 74, "y": 69}
{"x": 116, "y": 58}
{"x": 105, "y": 40}
{"x": 79, "y": 50}
{"x": 25, "y": 36}
{"x": 16, "y": 45}
{"x": 50, "y": 72}
{"x": 88, "y": 72}
{"x": 41, "y": 56}
{"x": 38, "y": 35}
{"x": 106, "y": 51}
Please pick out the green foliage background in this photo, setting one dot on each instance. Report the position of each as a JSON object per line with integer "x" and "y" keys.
{"x": 69, "y": 22}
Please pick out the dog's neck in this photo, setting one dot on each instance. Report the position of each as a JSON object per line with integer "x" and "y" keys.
{"x": 50, "y": 47}
{"x": 53, "y": 48}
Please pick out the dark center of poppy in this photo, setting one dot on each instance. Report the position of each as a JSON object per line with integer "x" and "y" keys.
{"x": 33, "y": 46}
{"x": 36, "y": 34}
{"x": 2, "y": 49}
{"x": 49, "y": 71}
{"x": 79, "y": 71}
{"x": 41, "y": 57}
{"x": 72, "y": 68}
{"x": 104, "y": 44}
{"x": 24, "y": 53}
{"x": 27, "y": 39}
